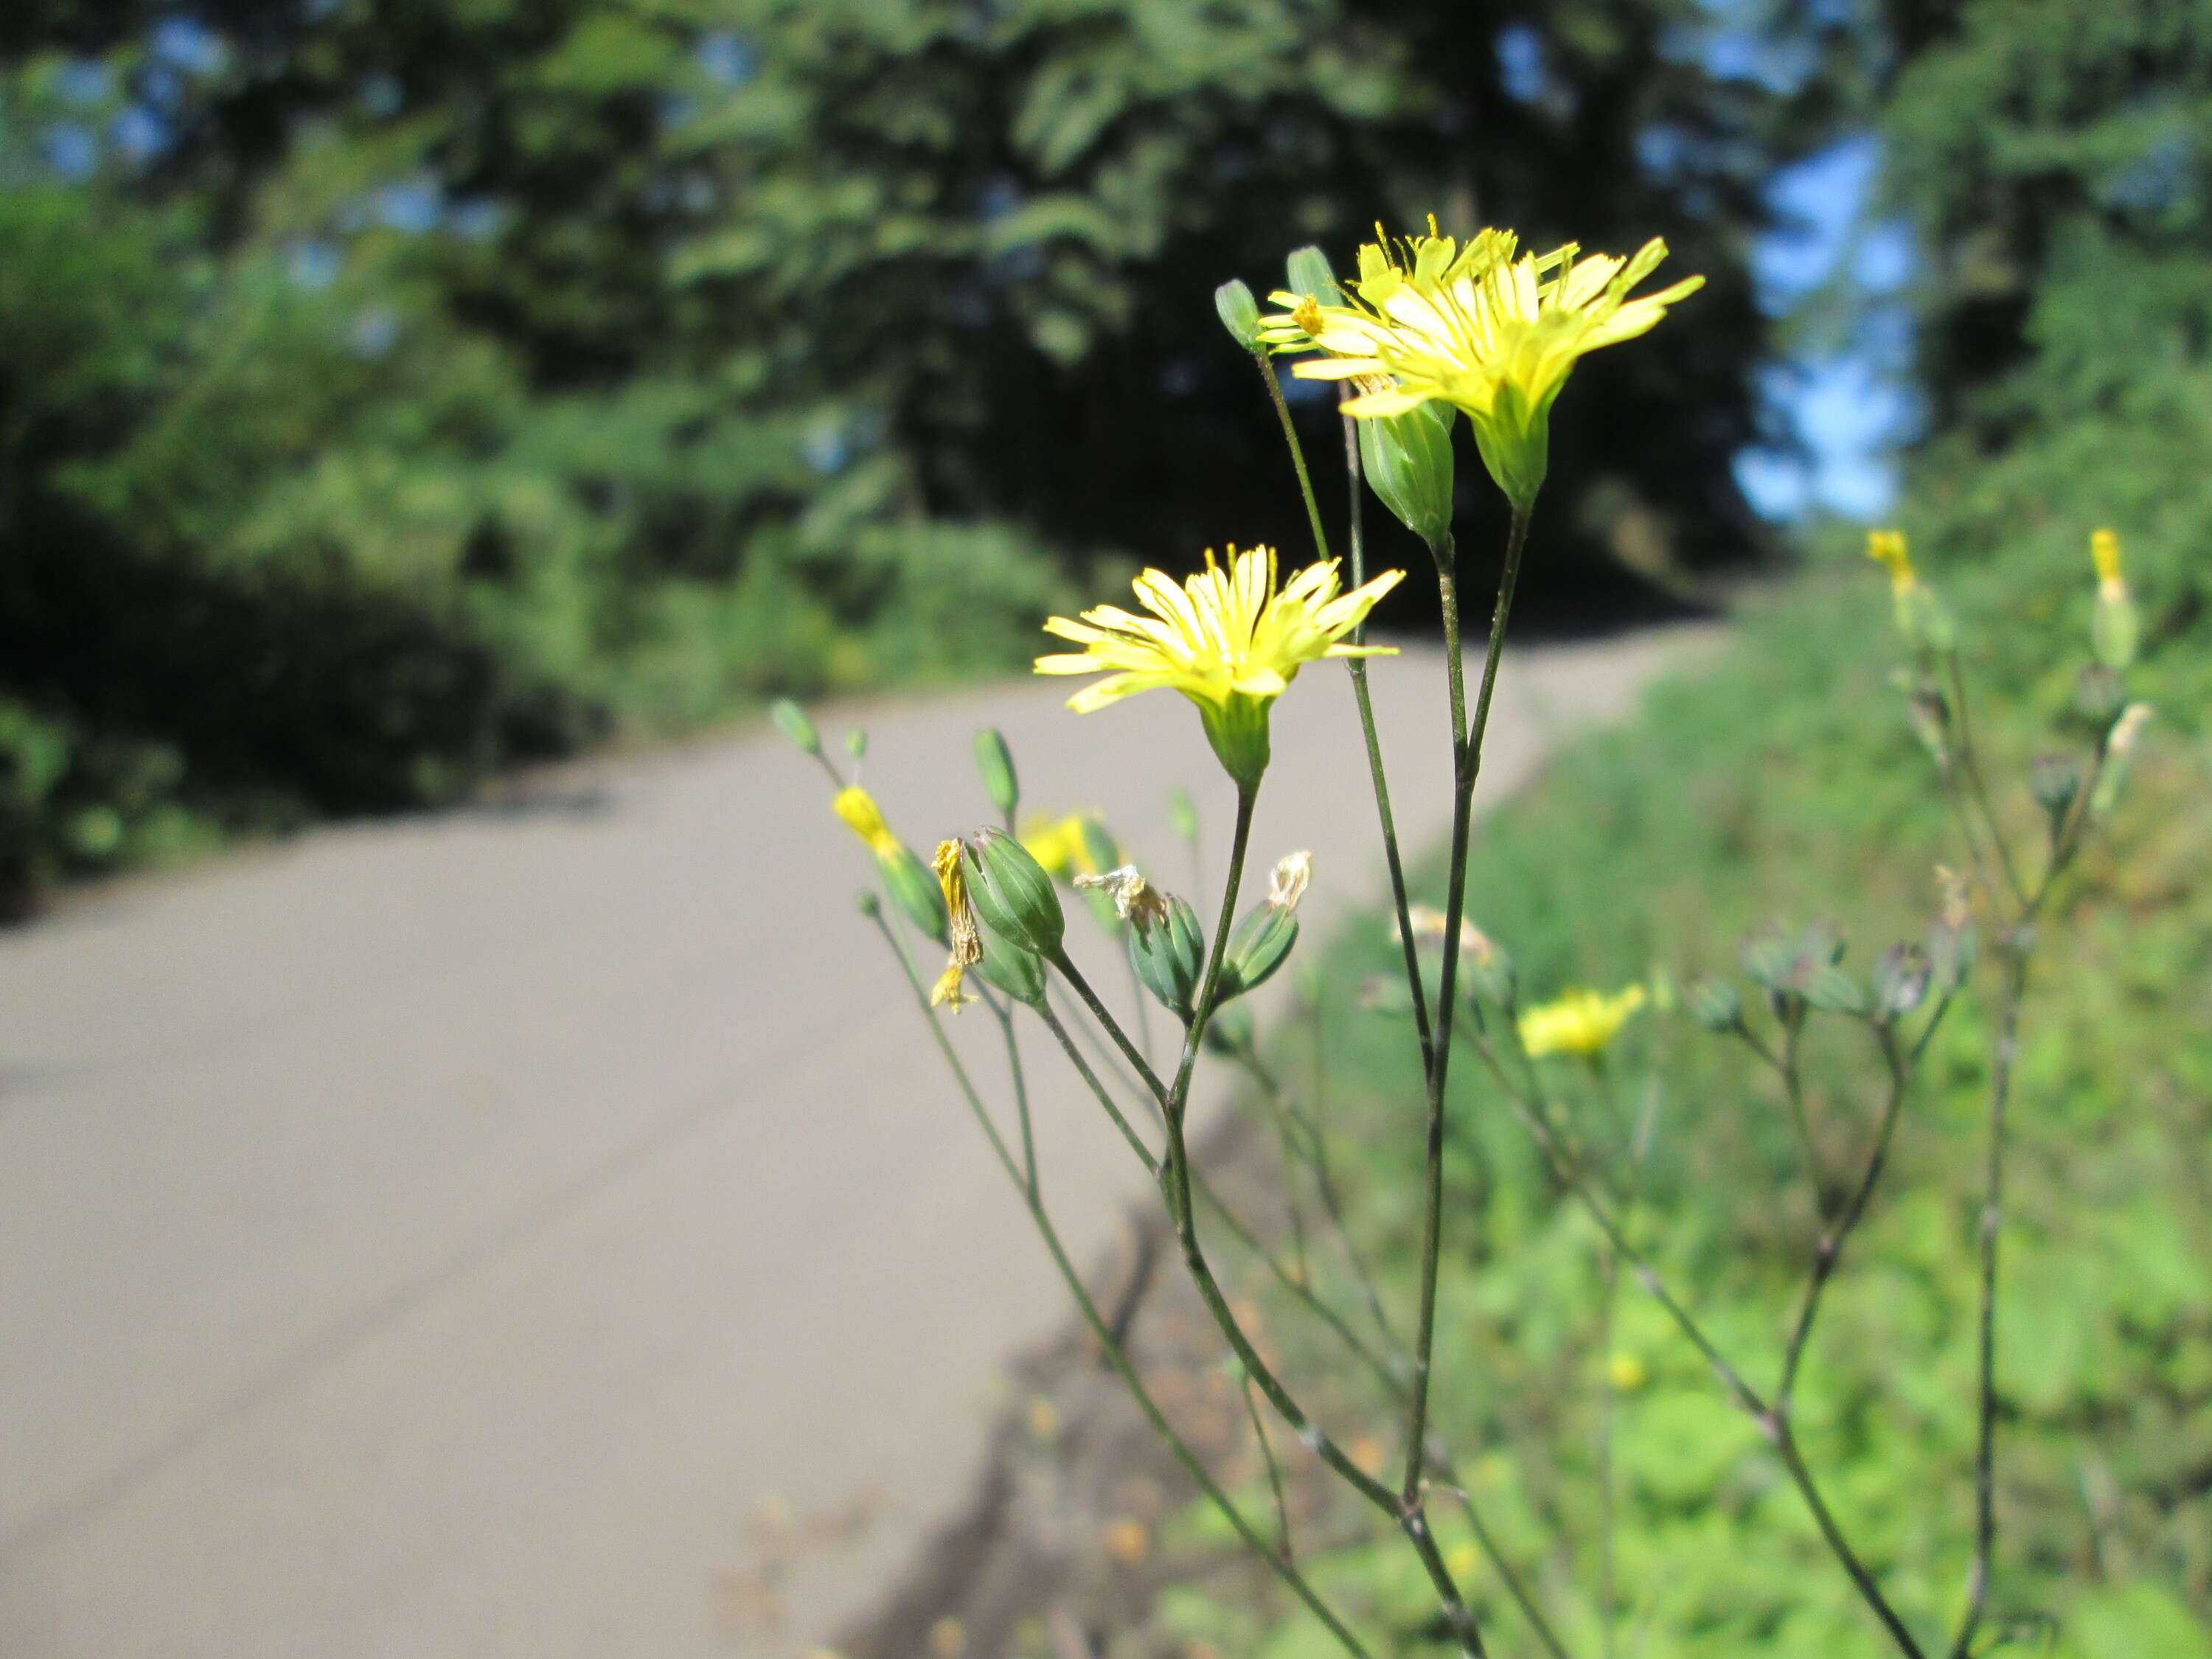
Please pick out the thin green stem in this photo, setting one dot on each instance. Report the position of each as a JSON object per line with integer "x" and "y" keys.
{"x": 1005, "y": 1016}
{"x": 1324, "y": 1179}
{"x": 1970, "y": 759}
{"x": 2005, "y": 1053}
{"x": 1112, "y": 1027}
{"x": 1466, "y": 766}
{"x": 1569, "y": 1172}
{"x": 1830, "y": 1250}
{"x": 1115, "y": 1355}
{"x": 1274, "y": 1470}
{"x": 1105, "y": 1098}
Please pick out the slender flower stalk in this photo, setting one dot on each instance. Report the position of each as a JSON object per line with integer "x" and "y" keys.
{"x": 1117, "y": 1356}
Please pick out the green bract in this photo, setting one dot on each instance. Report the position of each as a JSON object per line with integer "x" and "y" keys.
{"x": 1012, "y": 895}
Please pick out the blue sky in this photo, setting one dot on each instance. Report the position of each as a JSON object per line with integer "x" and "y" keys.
{"x": 1845, "y": 398}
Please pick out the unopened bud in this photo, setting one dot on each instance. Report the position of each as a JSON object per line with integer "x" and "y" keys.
{"x": 2115, "y": 630}
{"x": 1952, "y": 943}
{"x": 1239, "y": 312}
{"x": 1310, "y": 275}
{"x": 2119, "y": 748}
{"x": 914, "y": 890}
{"x": 1012, "y": 894}
{"x": 1716, "y": 1004}
{"x": 2098, "y": 694}
{"x": 868, "y": 905}
{"x": 1407, "y": 461}
{"x": 1169, "y": 949}
{"x": 1183, "y": 815}
{"x": 856, "y": 741}
{"x": 2055, "y": 780}
{"x": 1018, "y": 973}
{"x": 791, "y": 719}
{"x": 1832, "y": 991}
{"x": 1259, "y": 945}
{"x": 996, "y": 764}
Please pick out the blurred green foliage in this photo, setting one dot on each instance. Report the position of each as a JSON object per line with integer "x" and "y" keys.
{"x": 392, "y": 391}
{"x": 2051, "y": 155}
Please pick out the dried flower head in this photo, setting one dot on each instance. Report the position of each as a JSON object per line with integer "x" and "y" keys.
{"x": 966, "y": 948}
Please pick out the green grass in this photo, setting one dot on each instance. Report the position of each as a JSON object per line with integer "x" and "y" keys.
{"x": 1785, "y": 785}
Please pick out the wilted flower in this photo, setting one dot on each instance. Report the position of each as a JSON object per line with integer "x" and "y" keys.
{"x": 1493, "y": 334}
{"x": 1135, "y": 900}
{"x": 1578, "y": 1022}
{"x": 966, "y": 948}
{"x": 1293, "y": 870}
{"x": 1228, "y": 640}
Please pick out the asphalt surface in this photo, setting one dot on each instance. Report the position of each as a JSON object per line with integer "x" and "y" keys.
{"x": 545, "y": 1230}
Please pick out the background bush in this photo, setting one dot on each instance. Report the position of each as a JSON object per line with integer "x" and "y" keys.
{"x": 392, "y": 391}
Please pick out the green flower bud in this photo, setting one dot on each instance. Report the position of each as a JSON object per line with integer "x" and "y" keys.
{"x": 1308, "y": 272}
{"x": 791, "y": 719}
{"x": 867, "y": 903}
{"x": 1832, "y": 991}
{"x": 1012, "y": 893}
{"x": 856, "y": 741}
{"x": 1259, "y": 944}
{"x": 1900, "y": 981}
{"x": 1771, "y": 960}
{"x": 1169, "y": 949}
{"x": 914, "y": 890}
{"x": 2115, "y": 629}
{"x": 2099, "y": 694}
{"x": 1953, "y": 949}
{"x": 1239, "y": 312}
{"x": 1716, "y": 1004}
{"x": 1407, "y": 459}
{"x": 2055, "y": 780}
{"x": 1183, "y": 815}
{"x": 2119, "y": 749}
{"x": 996, "y": 762}
{"x": 1018, "y": 973}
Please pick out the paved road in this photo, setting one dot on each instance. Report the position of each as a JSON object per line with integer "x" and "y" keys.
{"x": 542, "y": 1231}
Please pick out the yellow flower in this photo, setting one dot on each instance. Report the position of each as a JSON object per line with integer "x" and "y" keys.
{"x": 1461, "y": 1559}
{"x": 1627, "y": 1373}
{"x": 1227, "y": 639}
{"x": 2104, "y": 554}
{"x": 858, "y": 809}
{"x": 1579, "y": 1022}
{"x": 1490, "y": 330}
{"x": 967, "y": 943}
{"x": 1887, "y": 547}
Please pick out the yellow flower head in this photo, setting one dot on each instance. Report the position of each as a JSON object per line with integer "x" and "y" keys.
{"x": 1490, "y": 330}
{"x": 967, "y": 942}
{"x": 1887, "y": 547}
{"x": 862, "y": 816}
{"x": 1229, "y": 640}
{"x": 1582, "y": 1022}
{"x": 2104, "y": 554}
